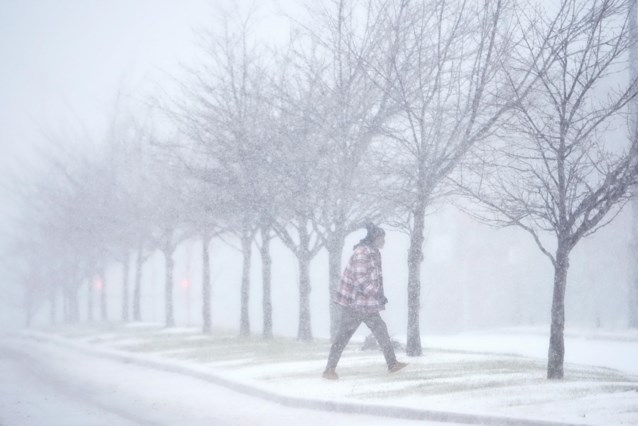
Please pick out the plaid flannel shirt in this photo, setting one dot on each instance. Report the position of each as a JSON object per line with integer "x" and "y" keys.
{"x": 361, "y": 286}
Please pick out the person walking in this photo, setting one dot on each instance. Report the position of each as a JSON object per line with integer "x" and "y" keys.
{"x": 360, "y": 296}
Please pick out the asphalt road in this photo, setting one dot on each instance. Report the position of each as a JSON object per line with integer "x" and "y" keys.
{"x": 43, "y": 384}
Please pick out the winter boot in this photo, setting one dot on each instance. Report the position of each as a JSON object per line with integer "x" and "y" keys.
{"x": 397, "y": 366}
{"x": 330, "y": 375}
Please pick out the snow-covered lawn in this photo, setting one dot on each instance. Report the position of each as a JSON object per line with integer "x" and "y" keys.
{"x": 500, "y": 373}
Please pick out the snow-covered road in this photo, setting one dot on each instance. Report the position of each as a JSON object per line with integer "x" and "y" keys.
{"x": 42, "y": 384}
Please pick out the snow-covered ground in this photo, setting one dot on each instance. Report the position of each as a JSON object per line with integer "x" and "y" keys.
{"x": 498, "y": 375}
{"x": 44, "y": 384}
{"x": 612, "y": 349}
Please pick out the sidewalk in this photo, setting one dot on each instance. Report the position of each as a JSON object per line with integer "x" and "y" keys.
{"x": 443, "y": 385}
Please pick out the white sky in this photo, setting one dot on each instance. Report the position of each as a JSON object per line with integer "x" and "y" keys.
{"x": 64, "y": 61}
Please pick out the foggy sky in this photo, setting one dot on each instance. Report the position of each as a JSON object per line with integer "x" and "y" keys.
{"x": 64, "y": 61}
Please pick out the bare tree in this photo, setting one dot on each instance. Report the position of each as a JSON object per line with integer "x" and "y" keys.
{"x": 222, "y": 112}
{"x": 558, "y": 170}
{"x": 633, "y": 129}
{"x": 65, "y": 215}
{"x": 447, "y": 76}
{"x": 136, "y": 167}
{"x": 205, "y": 213}
{"x": 22, "y": 262}
{"x": 168, "y": 195}
{"x": 299, "y": 154}
{"x": 347, "y": 42}
{"x": 295, "y": 224}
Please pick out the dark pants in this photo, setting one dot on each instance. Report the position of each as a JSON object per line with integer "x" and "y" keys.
{"x": 350, "y": 321}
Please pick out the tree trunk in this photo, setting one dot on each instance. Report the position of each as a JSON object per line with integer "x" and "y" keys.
{"x": 633, "y": 299}
{"x": 73, "y": 304}
{"x": 89, "y": 301}
{"x": 168, "y": 288}
{"x": 633, "y": 131}
{"x": 65, "y": 305}
{"x": 304, "y": 333}
{"x": 415, "y": 257}
{"x": 244, "y": 322}
{"x": 556, "y": 354}
{"x": 206, "y": 286}
{"x": 335, "y": 250}
{"x": 66, "y": 309}
{"x": 137, "y": 290}
{"x": 125, "y": 288}
{"x": 53, "y": 312}
{"x": 103, "y": 308}
{"x": 632, "y": 284}
{"x": 28, "y": 305}
{"x": 266, "y": 273}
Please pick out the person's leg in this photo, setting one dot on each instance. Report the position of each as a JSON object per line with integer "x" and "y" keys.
{"x": 347, "y": 326}
{"x": 376, "y": 324}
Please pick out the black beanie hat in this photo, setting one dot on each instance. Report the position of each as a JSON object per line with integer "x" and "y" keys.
{"x": 373, "y": 232}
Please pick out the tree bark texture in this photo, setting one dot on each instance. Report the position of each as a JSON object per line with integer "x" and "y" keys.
{"x": 104, "y": 314}
{"x": 556, "y": 355}
{"x": 137, "y": 290}
{"x": 415, "y": 258}
{"x": 168, "y": 288}
{"x": 89, "y": 301}
{"x": 266, "y": 272}
{"x": 335, "y": 250}
{"x": 206, "y": 287}
{"x": 304, "y": 332}
{"x": 244, "y": 322}
{"x": 125, "y": 288}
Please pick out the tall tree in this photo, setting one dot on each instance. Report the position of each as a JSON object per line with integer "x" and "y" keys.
{"x": 300, "y": 157}
{"x": 221, "y": 112}
{"x": 168, "y": 194}
{"x": 348, "y": 40}
{"x": 447, "y": 76}
{"x": 633, "y": 129}
{"x": 558, "y": 171}
{"x": 138, "y": 181}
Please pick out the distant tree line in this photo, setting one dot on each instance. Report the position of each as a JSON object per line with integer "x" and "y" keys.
{"x": 375, "y": 111}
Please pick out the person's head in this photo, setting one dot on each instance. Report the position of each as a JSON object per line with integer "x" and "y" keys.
{"x": 375, "y": 236}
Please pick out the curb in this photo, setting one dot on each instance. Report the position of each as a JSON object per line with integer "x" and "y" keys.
{"x": 291, "y": 401}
